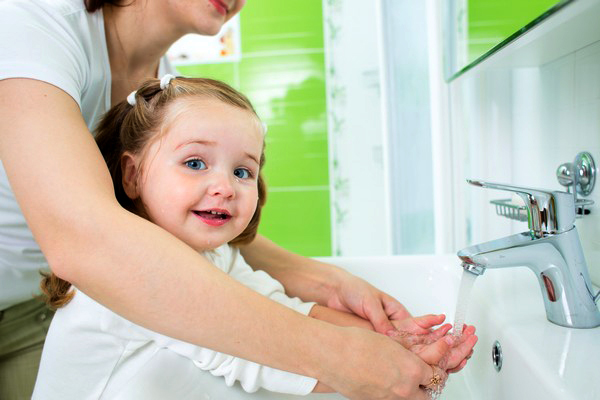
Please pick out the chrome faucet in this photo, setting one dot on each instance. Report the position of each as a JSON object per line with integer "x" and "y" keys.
{"x": 551, "y": 249}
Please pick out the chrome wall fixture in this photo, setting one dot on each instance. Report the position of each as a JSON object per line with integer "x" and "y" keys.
{"x": 579, "y": 177}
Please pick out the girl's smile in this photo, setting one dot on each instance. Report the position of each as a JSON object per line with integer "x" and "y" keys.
{"x": 216, "y": 217}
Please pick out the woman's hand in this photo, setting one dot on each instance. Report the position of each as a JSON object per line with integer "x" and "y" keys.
{"x": 373, "y": 366}
{"x": 353, "y": 294}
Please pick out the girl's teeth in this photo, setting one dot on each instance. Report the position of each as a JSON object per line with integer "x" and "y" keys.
{"x": 216, "y": 213}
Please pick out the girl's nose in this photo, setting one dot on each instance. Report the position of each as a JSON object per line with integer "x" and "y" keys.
{"x": 221, "y": 185}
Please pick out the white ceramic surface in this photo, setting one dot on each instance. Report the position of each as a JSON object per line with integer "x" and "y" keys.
{"x": 541, "y": 360}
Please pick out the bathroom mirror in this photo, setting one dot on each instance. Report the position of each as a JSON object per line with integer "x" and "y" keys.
{"x": 475, "y": 29}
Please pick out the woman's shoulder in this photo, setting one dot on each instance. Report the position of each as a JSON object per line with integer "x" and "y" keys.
{"x": 39, "y": 23}
{"x": 55, "y": 41}
{"x": 42, "y": 8}
{"x": 65, "y": 20}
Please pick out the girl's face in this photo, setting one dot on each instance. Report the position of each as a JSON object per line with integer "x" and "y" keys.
{"x": 199, "y": 180}
{"x": 205, "y": 17}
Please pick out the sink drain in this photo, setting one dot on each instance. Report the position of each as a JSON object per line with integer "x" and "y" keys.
{"x": 497, "y": 356}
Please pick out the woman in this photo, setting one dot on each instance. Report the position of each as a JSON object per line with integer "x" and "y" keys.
{"x": 62, "y": 66}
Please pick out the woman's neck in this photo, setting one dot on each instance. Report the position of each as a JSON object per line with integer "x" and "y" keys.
{"x": 136, "y": 39}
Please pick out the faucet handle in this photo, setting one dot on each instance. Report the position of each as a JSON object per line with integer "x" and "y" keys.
{"x": 549, "y": 212}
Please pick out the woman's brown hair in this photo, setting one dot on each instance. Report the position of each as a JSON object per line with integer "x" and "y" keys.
{"x": 95, "y": 5}
{"x": 127, "y": 128}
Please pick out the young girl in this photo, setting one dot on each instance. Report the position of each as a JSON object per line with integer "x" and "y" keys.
{"x": 187, "y": 155}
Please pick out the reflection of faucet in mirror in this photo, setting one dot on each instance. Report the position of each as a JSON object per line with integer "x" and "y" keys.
{"x": 551, "y": 249}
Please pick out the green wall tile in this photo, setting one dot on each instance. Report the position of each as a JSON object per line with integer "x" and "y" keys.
{"x": 299, "y": 221}
{"x": 304, "y": 69}
{"x": 295, "y": 169}
{"x": 269, "y": 25}
{"x": 225, "y": 72}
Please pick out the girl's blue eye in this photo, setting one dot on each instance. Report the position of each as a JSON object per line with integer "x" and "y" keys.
{"x": 242, "y": 173}
{"x": 195, "y": 164}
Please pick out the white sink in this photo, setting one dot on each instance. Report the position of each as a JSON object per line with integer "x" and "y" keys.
{"x": 540, "y": 360}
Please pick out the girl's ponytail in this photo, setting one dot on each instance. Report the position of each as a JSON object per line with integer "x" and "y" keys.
{"x": 55, "y": 291}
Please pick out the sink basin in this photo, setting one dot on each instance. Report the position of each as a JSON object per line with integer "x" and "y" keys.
{"x": 540, "y": 360}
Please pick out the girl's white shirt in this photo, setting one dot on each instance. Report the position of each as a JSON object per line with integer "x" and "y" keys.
{"x": 58, "y": 42}
{"x": 92, "y": 353}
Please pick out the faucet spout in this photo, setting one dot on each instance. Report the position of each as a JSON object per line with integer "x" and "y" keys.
{"x": 492, "y": 254}
{"x": 473, "y": 268}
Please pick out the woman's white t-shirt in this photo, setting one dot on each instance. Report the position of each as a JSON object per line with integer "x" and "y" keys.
{"x": 58, "y": 42}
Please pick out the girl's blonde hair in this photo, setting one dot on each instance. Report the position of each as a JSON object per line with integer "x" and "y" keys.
{"x": 129, "y": 128}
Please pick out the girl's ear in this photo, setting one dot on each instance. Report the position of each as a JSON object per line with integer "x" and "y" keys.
{"x": 129, "y": 172}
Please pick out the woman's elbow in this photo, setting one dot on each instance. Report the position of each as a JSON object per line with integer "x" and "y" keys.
{"x": 62, "y": 265}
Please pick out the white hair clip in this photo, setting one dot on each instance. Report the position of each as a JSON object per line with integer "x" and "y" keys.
{"x": 131, "y": 98}
{"x": 165, "y": 80}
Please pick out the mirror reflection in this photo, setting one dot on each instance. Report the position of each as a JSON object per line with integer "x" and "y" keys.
{"x": 475, "y": 29}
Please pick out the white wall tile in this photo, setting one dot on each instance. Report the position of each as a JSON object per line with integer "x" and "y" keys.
{"x": 360, "y": 221}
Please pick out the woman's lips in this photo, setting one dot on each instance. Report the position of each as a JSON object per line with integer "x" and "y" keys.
{"x": 219, "y": 6}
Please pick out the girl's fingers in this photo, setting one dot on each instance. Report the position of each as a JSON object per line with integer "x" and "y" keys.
{"x": 417, "y": 325}
{"x": 440, "y": 332}
{"x": 468, "y": 330}
{"x": 434, "y": 352}
{"x": 458, "y": 368}
{"x": 461, "y": 351}
{"x": 430, "y": 320}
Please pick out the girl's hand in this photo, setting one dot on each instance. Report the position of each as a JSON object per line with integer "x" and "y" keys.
{"x": 422, "y": 325}
{"x": 461, "y": 349}
{"x": 436, "y": 347}
{"x": 449, "y": 353}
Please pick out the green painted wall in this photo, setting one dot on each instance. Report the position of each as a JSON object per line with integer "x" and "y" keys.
{"x": 492, "y": 21}
{"x": 282, "y": 71}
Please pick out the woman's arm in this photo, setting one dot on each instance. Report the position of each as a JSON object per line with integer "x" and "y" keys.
{"x": 326, "y": 284}
{"x": 146, "y": 275}
{"x": 339, "y": 318}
